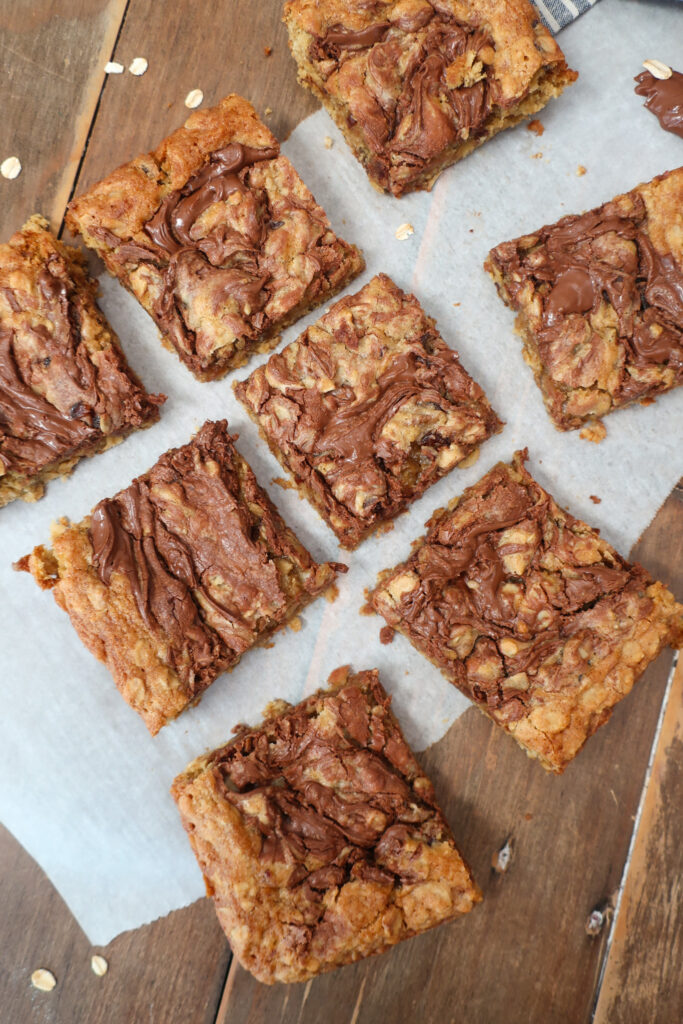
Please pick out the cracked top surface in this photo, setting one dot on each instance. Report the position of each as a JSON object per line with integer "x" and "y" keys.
{"x": 319, "y": 836}
{"x": 216, "y": 235}
{"x": 64, "y": 381}
{"x": 528, "y": 611}
{"x": 368, "y": 407}
{"x": 602, "y": 301}
{"x": 180, "y": 573}
{"x": 417, "y": 76}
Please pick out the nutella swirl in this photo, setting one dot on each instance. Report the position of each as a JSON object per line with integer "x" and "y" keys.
{"x": 664, "y": 98}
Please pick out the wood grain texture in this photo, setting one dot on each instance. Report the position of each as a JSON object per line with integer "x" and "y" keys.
{"x": 170, "y": 971}
{"x": 52, "y": 56}
{"x": 523, "y": 956}
{"x": 643, "y": 979}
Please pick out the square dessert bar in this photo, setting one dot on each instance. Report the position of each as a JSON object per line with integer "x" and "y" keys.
{"x": 217, "y": 236}
{"x": 528, "y": 612}
{"x": 173, "y": 579}
{"x": 416, "y": 85}
{"x": 367, "y": 408}
{"x": 600, "y": 301}
{"x": 66, "y": 390}
{"x": 319, "y": 836}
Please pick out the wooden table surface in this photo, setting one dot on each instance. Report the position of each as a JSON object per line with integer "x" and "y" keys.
{"x": 607, "y": 836}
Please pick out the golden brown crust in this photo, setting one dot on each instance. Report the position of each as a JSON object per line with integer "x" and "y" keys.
{"x": 432, "y": 80}
{"x": 172, "y": 580}
{"x": 600, "y": 301}
{"x": 217, "y": 237}
{"x": 368, "y": 408}
{"x": 319, "y": 837}
{"x": 66, "y": 390}
{"x": 529, "y": 612}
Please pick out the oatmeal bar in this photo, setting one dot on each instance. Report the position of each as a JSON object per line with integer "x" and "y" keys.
{"x": 173, "y": 579}
{"x": 66, "y": 390}
{"x": 529, "y": 612}
{"x": 367, "y": 408}
{"x": 600, "y": 301}
{"x": 218, "y": 238}
{"x": 319, "y": 836}
{"x": 415, "y": 86}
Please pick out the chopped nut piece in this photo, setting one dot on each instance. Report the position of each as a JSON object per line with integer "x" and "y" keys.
{"x": 404, "y": 231}
{"x": 657, "y": 69}
{"x": 267, "y": 50}
{"x": 268, "y": 111}
{"x": 112, "y": 67}
{"x": 99, "y": 966}
{"x": 138, "y": 66}
{"x": 194, "y": 98}
{"x": 10, "y": 168}
{"x": 43, "y": 980}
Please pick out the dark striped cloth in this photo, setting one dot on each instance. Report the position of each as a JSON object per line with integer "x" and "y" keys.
{"x": 558, "y": 13}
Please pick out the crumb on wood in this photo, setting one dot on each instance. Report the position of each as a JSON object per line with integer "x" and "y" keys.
{"x": 268, "y": 111}
{"x": 594, "y": 498}
{"x": 500, "y": 862}
{"x": 594, "y": 431}
{"x": 536, "y": 127}
{"x": 267, "y": 50}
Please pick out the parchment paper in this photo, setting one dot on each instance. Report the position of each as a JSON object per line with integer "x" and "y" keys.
{"x": 83, "y": 786}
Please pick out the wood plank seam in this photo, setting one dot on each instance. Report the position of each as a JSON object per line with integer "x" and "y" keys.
{"x": 634, "y": 834}
{"x": 93, "y": 121}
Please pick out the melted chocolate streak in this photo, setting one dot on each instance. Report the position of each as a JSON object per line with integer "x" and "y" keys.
{"x": 644, "y": 292}
{"x": 33, "y": 433}
{"x": 306, "y": 818}
{"x": 443, "y": 600}
{"x": 422, "y": 85}
{"x": 664, "y": 98}
{"x": 170, "y": 229}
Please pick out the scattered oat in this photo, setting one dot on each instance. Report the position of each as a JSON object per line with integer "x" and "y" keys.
{"x": 43, "y": 980}
{"x": 11, "y": 167}
{"x": 267, "y": 50}
{"x": 194, "y": 98}
{"x": 500, "y": 861}
{"x": 112, "y": 67}
{"x": 536, "y": 127}
{"x": 598, "y": 918}
{"x": 594, "y": 431}
{"x": 537, "y": 156}
{"x": 404, "y": 231}
{"x": 657, "y": 69}
{"x": 138, "y": 66}
{"x": 580, "y": 171}
{"x": 457, "y": 303}
{"x": 99, "y": 966}
{"x": 329, "y": 143}
{"x": 268, "y": 111}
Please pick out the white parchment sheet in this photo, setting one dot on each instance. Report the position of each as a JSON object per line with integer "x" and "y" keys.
{"x": 82, "y": 784}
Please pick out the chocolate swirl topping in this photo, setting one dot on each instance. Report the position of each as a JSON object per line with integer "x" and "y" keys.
{"x": 603, "y": 256}
{"x": 421, "y": 83}
{"x": 202, "y": 565}
{"x": 512, "y": 602}
{"x": 53, "y": 393}
{"x": 336, "y": 804}
{"x": 664, "y": 99}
